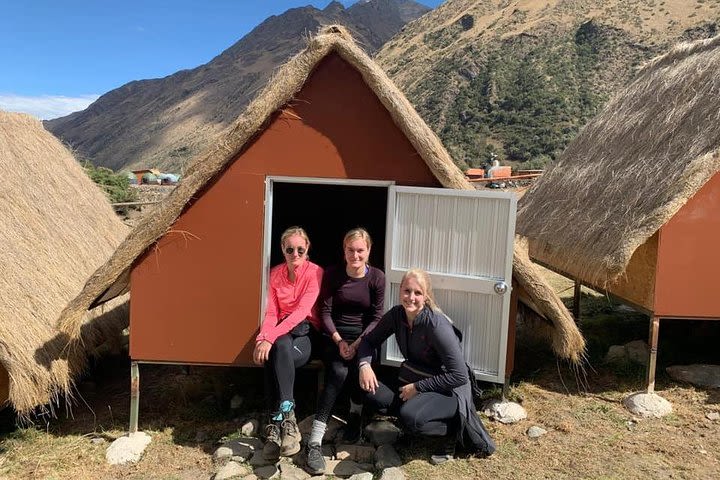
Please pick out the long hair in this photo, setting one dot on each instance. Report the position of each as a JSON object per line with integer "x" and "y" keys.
{"x": 423, "y": 280}
{"x": 289, "y": 232}
{"x": 357, "y": 234}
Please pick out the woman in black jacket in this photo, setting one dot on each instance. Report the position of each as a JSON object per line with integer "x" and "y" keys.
{"x": 433, "y": 395}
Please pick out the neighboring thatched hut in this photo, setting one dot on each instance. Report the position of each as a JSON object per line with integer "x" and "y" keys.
{"x": 631, "y": 207}
{"x": 319, "y": 147}
{"x": 56, "y": 227}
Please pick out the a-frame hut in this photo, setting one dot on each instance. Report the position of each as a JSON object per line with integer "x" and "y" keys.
{"x": 56, "y": 228}
{"x": 317, "y": 148}
{"x": 631, "y": 207}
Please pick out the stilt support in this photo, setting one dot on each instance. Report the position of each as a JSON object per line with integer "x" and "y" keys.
{"x": 652, "y": 363}
{"x": 576, "y": 301}
{"x": 134, "y": 396}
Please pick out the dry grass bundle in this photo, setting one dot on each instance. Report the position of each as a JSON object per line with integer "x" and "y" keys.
{"x": 56, "y": 228}
{"x": 631, "y": 168}
{"x": 281, "y": 89}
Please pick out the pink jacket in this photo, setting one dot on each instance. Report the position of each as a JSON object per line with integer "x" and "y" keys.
{"x": 291, "y": 302}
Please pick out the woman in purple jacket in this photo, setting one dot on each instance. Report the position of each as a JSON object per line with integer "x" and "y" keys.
{"x": 353, "y": 295}
{"x": 432, "y": 395}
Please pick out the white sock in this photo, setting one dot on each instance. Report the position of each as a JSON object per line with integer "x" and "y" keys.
{"x": 317, "y": 432}
{"x": 356, "y": 407}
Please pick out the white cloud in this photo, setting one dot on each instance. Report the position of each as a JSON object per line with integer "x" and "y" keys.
{"x": 45, "y": 107}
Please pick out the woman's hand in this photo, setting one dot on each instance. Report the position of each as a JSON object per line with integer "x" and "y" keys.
{"x": 346, "y": 351}
{"x": 368, "y": 380}
{"x": 407, "y": 392}
{"x": 262, "y": 352}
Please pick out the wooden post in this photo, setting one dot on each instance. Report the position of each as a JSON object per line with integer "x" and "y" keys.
{"x": 652, "y": 362}
{"x": 134, "y": 396}
{"x": 576, "y": 301}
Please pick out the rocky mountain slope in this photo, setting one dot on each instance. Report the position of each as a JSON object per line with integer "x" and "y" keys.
{"x": 161, "y": 123}
{"x": 519, "y": 78}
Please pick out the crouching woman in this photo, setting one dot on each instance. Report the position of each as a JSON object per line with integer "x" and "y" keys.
{"x": 432, "y": 393}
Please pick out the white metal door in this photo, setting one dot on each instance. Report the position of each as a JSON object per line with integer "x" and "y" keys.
{"x": 464, "y": 240}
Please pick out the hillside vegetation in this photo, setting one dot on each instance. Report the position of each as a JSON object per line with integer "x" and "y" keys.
{"x": 520, "y": 78}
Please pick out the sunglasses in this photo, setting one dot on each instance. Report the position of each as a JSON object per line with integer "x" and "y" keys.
{"x": 291, "y": 250}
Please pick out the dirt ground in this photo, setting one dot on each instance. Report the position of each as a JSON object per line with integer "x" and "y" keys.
{"x": 590, "y": 434}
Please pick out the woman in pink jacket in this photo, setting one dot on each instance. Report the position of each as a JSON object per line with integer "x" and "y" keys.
{"x": 283, "y": 343}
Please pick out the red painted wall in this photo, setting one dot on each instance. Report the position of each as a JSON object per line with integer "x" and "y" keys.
{"x": 196, "y": 294}
{"x": 688, "y": 258}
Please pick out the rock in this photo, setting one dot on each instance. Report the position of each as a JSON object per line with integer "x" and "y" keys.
{"x": 714, "y": 416}
{"x": 128, "y": 448}
{"x": 268, "y": 471}
{"x": 97, "y": 441}
{"x": 536, "y": 432}
{"x": 288, "y": 471}
{"x": 358, "y": 453}
{"x": 505, "y": 412}
{"x": 259, "y": 461}
{"x": 222, "y": 454}
{"x": 700, "y": 375}
{"x": 638, "y": 351}
{"x": 362, "y": 476}
{"x": 250, "y": 428}
{"x": 393, "y": 473}
{"x": 252, "y": 476}
{"x": 230, "y": 470}
{"x": 240, "y": 450}
{"x": 382, "y": 432}
{"x": 236, "y": 402}
{"x": 616, "y": 354}
{"x": 386, "y": 457}
{"x": 342, "y": 468}
{"x": 647, "y": 405}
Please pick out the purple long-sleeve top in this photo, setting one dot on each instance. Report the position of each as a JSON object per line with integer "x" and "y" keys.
{"x": 351, "y": 306}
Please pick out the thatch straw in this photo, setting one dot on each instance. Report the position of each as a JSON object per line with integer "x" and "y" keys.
{"x": 631, "y": 168}
{"x": 281, "y": 89}
{"x": 56, "y": 228}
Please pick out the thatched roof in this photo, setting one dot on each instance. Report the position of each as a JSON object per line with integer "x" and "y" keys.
{"x": 113, "y": 277}
{"x": 631, "y": 168}
{"x": 56, "y": 227}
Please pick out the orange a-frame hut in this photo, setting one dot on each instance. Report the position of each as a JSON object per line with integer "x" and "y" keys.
{"x": 320, "y": 147}
{"x": 631, "y": 207}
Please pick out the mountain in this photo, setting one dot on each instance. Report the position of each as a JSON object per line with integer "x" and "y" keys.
{"x": 160, "y": 123}
{"x": 520, "y": 78}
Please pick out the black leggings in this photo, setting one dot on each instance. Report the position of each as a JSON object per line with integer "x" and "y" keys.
{"x": 337, "y": 370}
{"x": 427, "y": 413}
{"x": 286, "y": 354}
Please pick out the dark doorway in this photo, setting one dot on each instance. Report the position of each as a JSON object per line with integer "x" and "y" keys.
{"x": 327, "y": 212}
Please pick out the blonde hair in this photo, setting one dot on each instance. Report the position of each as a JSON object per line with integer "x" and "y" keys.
{"x": 423, "y": 280}
{"x": 292, "y": 231}
{"x": 357, "y": 234}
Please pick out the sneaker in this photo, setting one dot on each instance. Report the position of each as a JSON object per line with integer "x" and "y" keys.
{"x": 271, "y": 450}
{"x": 445, "y": 453}
{"x": 290, "y": 434}
{"x": 315, "y": 463}
{"x": 352, "y": 429}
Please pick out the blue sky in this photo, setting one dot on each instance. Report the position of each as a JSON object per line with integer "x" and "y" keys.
{"x": 58, "y": 56}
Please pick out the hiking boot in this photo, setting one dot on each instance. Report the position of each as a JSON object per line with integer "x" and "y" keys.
{"x": 445, "y": 453}
{"x": 271, "y": 450}
{"x": 352, "y": 429}
{"x": 315, "y": 463}
{"x": 290, "y": 434}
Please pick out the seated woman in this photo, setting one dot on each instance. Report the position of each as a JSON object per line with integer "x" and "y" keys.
{"x": 432, "y": 395}
{"x": 284, "y": 343}
{"x": 353, "y": 296}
